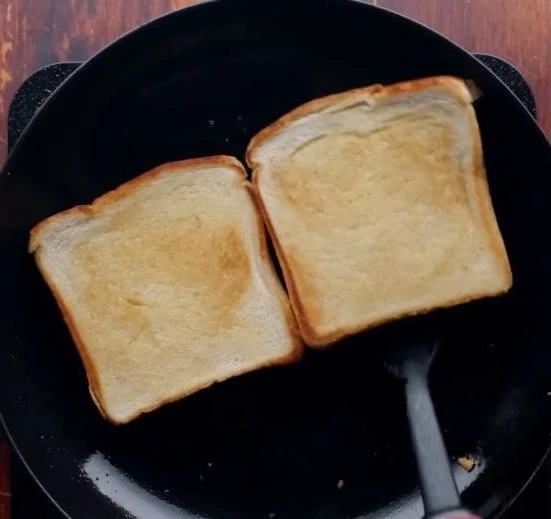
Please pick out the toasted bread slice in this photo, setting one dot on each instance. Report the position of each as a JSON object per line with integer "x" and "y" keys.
{"x": 166, "y": 285}
{"x": 378, "y": 205}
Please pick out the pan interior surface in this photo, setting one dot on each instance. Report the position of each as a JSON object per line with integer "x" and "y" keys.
{"x": 326, "y": 438}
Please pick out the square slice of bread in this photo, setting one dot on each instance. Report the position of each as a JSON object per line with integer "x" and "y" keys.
{"x": 166, "y": 285}
{"x": 378, "y": 205}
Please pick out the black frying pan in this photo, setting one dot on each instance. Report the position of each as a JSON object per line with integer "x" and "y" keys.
{"x": 326, "y": 438}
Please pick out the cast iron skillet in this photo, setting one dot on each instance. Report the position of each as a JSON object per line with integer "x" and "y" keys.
{"x": 203, "y": 81}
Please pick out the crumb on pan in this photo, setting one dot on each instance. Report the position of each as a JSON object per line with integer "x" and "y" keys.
{"x": 340, "y": 484}
{"x": 467, "y": 463}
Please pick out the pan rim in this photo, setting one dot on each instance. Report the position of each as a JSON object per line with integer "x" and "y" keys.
{"x": 87, "y": 67}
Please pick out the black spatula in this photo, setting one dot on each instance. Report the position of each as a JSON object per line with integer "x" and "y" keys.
{"x": 411, "y": 363}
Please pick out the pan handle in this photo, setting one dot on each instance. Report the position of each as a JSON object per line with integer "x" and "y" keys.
{"x": 511, "y": 76}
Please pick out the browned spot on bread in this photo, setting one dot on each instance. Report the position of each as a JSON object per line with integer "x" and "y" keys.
{"x": 211, "y": 270}
{"x": 231, "y": 280}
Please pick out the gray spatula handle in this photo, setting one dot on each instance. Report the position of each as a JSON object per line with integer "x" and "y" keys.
{"x": 437, "y": 483}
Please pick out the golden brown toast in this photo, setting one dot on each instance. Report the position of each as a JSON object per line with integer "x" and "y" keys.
{"x": 166, "y": 285}
{"x": 378, "y": 205}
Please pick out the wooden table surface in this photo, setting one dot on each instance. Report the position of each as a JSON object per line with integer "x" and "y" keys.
{"x": 34, "y": 33}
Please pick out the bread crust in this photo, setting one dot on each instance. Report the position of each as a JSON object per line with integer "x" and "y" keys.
{"x": 131, "y": 186}
{"x": 296, "y": 351}
{"x": 295, "y": 348}
{"x": 374, "y": 94}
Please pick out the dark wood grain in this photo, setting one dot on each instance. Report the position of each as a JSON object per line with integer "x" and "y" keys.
{"x": 34, "y": 33}
{"x": 517, "y": 30}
